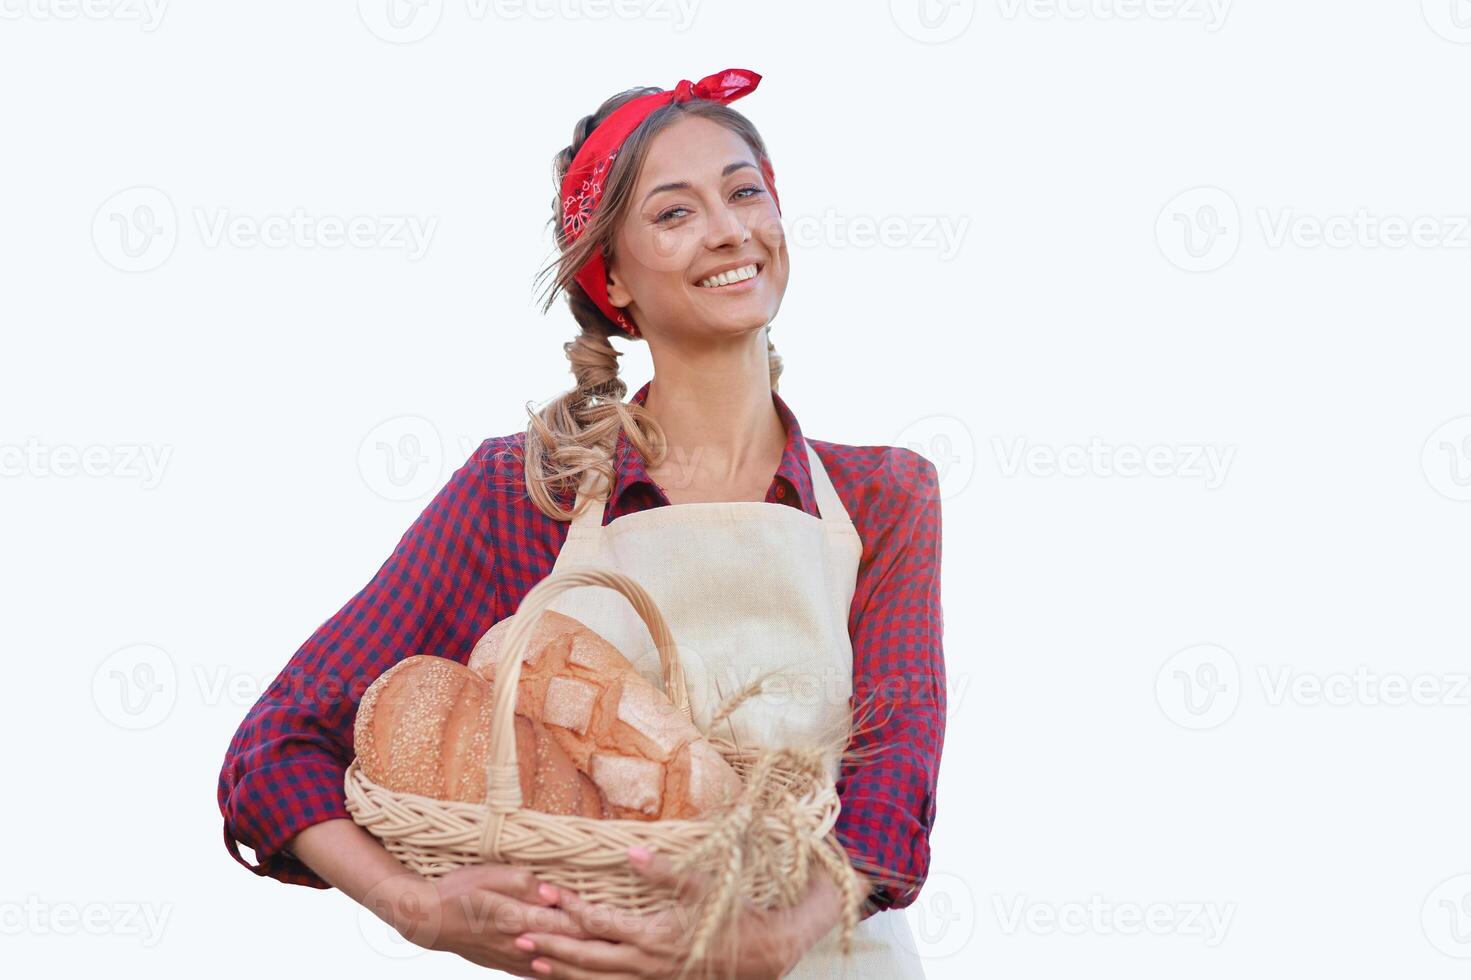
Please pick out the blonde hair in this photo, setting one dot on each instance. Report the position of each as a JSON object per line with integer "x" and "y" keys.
{"x": 578, "y": 430}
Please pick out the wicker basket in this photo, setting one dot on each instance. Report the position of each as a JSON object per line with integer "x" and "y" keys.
{"x": 777, "y": 832}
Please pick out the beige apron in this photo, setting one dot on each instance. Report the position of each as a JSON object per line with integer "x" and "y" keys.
{"x": 746, "y": 586}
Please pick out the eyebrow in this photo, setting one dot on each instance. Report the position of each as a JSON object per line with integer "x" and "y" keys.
{"x": 681, "y": 185}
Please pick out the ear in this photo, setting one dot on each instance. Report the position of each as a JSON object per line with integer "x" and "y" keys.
{"x": 617, "y": 294}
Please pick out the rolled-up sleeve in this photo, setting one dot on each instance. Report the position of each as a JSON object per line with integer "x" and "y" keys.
{"x": 284, "y": 768}
{"x": 887, "y": 783}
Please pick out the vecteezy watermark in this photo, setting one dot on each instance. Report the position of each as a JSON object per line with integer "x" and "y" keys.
{"x": 942, "y": 234}
{"x": 407, "y": 21}
{"x": 124, "y": 461}
{"x": 1209, "y": 13}
{"x": 1190, "y": 461}
{"x": 137, "y": 229}
{"x": 404, "y": 458}
{"x": 1199, "y": 230}
{"x": 1446, "y": 916}
{"x": 1451, "y": 19}
{"x": 401, "y": 21}
{"x": 1363, "y": 229}
{"x": 147, "y": 14}
{"x": 1362, "y": 687}
{"x": 932, "y": 21}
{"x": 1206, "y": 921}
{"x": 947, "y": 442}
{"x": 1199, "y": 687}
{"x": 1446, "y": 459}
{"x": 137, "y": 687}
{"x": 37, "y": 917}
{"x": 942, "y": 918}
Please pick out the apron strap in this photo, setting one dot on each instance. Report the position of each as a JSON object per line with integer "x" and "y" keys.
{"x": 829, "y": 507}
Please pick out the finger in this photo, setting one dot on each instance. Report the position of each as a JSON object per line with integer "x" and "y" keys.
{"x": 514, "y": 918}
{"x": 557, "y": 970}
{"x": 589, "y": 954}
{"x": 658, "y": 868}
{"x": 656, "y": 933}
{"x": 519, "y": 883}
{"x": 604, "y": 921}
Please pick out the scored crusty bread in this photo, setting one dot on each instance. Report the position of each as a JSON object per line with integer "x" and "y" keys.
{"x": 424, "y": 727}
{"x": 645, "y": 758}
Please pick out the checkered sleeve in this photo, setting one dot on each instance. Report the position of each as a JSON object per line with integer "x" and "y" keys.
{"x": 284, "y": 768}
{"x": 887, "y": 782}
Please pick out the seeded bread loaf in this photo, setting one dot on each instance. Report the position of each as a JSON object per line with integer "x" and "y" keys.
{"x": 646, "y": 760}
{"x": 424, "y": 727}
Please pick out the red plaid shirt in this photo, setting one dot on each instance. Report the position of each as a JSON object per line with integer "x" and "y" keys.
{"x": 479, "y": 547}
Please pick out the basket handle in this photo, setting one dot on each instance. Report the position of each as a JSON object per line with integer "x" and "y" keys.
{"x": 503, "y": 780}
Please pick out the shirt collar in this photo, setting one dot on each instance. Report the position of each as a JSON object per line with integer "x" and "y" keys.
{"x": 792, "y": 483}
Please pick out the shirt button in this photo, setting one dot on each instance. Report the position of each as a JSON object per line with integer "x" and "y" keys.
{"x": 781, "y": 491}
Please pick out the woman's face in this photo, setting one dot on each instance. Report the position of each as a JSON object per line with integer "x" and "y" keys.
{"x": 700, "y": 207}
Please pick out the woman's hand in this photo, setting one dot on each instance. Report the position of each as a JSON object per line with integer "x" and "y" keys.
{"x": 765, "y": 944}
{"x": 476, "y": 912}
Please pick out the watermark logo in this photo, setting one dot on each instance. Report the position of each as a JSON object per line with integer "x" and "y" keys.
{"x": 136, "y": 687}
{"x": 1206, "y": 463}
{"x": 387, "y": 903}
{"x": 947, "y": 442}
{"x": 147, "y": 14}
{"x": 942, "y": 918}
{"x": 1446, "y": 917}
{"x": 1207, "y": 921}
{"x": 1199, "y": 230}
{"x": 1199, "y": 687}
{"x": 127, "y": 461}
{"x": 1451, "y": 19}
{"x": 932, "y": 21}
{"x": 37, "y": 917}
{"x": 401, "y": 21}
{"x": 1209, "y": 13}
{"x": 136, "y": 229}
{"x": 1363, "y": 229}
{"x": 1446, "y": 459}
{"x": 942, "y": 234}
{"x": 402, "y": 458}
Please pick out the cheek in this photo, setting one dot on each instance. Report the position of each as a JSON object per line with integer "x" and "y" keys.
{"x": 769, "y": 231}
{"x": 661, "y": 251}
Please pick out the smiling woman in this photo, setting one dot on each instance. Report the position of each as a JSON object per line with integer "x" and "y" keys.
{"x": 767, "y": 553}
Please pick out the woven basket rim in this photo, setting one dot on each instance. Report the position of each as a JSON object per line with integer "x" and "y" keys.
{"x": 570, "y": 820}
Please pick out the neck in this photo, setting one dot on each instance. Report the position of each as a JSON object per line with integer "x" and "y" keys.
{"x": 718, "y": 418}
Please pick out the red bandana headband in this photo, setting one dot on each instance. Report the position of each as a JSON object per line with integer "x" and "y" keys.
{"x": 582, "y": 187}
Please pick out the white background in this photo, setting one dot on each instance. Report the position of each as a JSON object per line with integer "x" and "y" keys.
{"x": 1234, "y": 232}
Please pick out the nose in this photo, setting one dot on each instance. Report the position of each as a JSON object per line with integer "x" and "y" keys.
{"x": 726, "y": 228}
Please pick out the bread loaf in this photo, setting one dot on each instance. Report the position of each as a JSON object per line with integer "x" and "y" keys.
{"x": 424, "y": 727}
{"x": 648, "y": 762}
{"x": 593, "y": 737}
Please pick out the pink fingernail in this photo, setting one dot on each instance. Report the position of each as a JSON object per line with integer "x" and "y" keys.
{"x": 541, "y": 966}
{"x": 547, "y": 892}
{"x": 525, "y": 944}
{"x": 639, "y": 854}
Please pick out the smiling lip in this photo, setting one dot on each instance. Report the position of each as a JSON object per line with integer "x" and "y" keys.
{"x": 736, "y": 287}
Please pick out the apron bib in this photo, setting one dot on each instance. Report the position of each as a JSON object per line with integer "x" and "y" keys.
{"x": 747, "y": 588}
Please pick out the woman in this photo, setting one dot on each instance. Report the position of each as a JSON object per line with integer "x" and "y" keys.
{"x": 763, "y": 550}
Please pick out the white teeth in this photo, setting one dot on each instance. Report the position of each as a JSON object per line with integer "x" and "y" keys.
{"x": 726, "y": 278}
